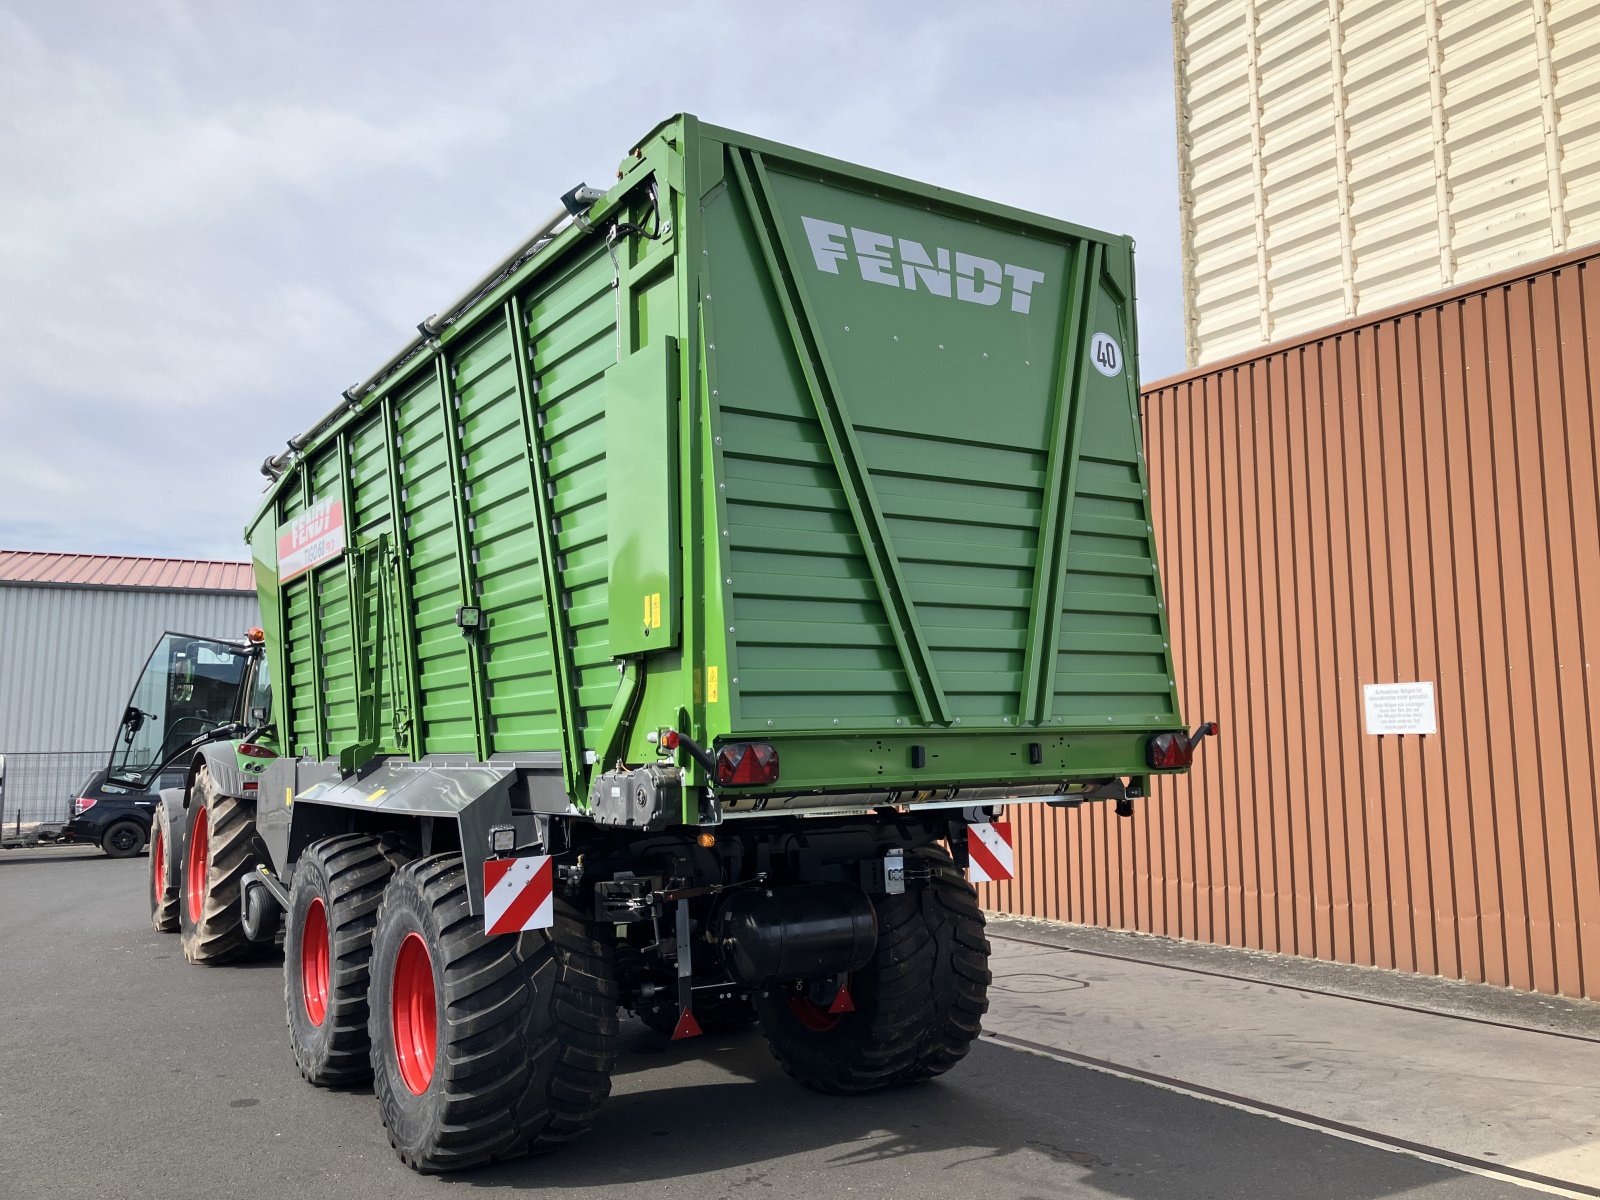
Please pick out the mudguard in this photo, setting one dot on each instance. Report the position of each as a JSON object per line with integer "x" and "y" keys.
{"x": 475, "y": 796}
{"x": 173, "y": 802}
{"x": 223, "y": 760}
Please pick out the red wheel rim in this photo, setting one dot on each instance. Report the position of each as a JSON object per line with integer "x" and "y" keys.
{"x": 314, "y": 953}
{"x": 158, "y": 864}
{"x": 415, "y": 1019}
{"x": 194, "y": 876}
{"x": 812, "y": 1015}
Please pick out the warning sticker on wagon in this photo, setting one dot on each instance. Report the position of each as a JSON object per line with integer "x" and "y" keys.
{"x": 313, "y": 537}
{"x": 1400, "y": 708}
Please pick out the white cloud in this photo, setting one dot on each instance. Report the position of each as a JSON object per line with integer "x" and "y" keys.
{"x": 213, "y": 218}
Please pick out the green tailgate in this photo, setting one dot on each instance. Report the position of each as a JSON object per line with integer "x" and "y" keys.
{"x": 934, "y": 500}
{"x": 813, "y": 454}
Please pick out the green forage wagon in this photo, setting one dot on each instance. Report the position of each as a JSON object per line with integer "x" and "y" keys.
{"x": 662, "y": 628}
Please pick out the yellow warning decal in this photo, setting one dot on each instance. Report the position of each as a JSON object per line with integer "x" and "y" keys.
{"x": 711, "y": 685}
{"x": 647, "y": 612}
{"x": 288, "y": 797}
{"x": 377, "y": 795}
{"x": 655, "y": 610}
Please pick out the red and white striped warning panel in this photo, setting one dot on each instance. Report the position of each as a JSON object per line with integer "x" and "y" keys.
{"x": 517, "y": 894}
{"x": 990, "y": 857}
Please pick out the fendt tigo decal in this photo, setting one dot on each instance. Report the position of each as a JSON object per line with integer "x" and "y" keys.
{"x": 901, "y": 262}
{"x": 313, "y": 537}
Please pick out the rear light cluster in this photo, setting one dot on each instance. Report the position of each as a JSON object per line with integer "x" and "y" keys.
{"x": 251, "y": 750}
{"x": 747, "y": 764}
{"x": 1169, "y": 751}
{"x": 83, "y": 804}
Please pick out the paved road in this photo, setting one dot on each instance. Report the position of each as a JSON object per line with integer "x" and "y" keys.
{"x": 126, "y": 1073}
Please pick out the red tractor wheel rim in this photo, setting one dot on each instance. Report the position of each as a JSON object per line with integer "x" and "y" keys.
{"x": 194, "y": 876}
{"x": 812, "y": 1015}
{"x": 314, "y": 962}
{"x": 158, "y": 864}
{"x": 415, "y": 1019}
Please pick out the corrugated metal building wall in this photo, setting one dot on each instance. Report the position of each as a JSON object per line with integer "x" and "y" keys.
{"x": 69, "y": 655}
{"x": 1413, "y": 497}
{"x": 1338, "y": 156}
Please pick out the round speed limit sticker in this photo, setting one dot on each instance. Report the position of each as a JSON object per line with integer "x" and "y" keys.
{"x": 1106, "y": 355}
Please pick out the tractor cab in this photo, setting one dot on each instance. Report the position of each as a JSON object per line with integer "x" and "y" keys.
{"x": 193, "y": 690}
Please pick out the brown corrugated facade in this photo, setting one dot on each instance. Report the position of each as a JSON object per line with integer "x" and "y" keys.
{"x": 1411, "y": 497}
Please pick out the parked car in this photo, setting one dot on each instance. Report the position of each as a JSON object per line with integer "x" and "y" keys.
{"x": 114, "y": 816}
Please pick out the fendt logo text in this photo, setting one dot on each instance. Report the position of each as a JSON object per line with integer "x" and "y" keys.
{"x": 901, "y": 262}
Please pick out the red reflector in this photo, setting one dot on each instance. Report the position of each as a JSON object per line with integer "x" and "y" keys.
{"x": 1169, "y": 751}
{"x": 747, "y": 764}
{"x": 251, "y": 750}
{"x": 669, "y": 739}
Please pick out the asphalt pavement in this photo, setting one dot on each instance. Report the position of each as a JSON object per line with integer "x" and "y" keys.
{"x": 126, "y": 1073}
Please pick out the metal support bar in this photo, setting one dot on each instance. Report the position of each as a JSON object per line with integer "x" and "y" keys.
{"x": 685, "y": 958}
{"x": 405, "y": 614}
{"x": 871, "y": 528}
{"x": 1055, "y": 518}
{"x": 318, "y": 717}
{"x": 567, "y": 711}
{"x": 469, "y": 597}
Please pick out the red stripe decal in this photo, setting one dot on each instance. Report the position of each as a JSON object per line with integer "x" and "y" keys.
{"x": 985, "y": 859}
{"x": 520, "y": 910}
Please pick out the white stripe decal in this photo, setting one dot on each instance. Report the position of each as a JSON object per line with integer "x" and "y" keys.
{"x": 499, "y": 898}
{"x": 999, "y": 846}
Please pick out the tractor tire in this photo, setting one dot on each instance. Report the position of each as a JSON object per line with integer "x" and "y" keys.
{"x": 918, "y": 1005}
{"x": 327, "y": 947}
{"x": 484, "y": 1048}
{"x": 123, "y": 840}
{"x": 166, "y": 856}
{"x": 221, "y": 849}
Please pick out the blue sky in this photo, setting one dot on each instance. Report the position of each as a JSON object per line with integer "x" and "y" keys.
{"x": 215, "y": 217}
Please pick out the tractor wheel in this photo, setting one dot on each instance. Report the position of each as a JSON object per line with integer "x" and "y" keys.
{"x": 220, "y": 836}
{"x": 166, "y": 853}
{"x": 484, "y": 1048}
{"x": 327, "y": 945}
{"x": 123, "y": 840}
{"x": 918, "y": 1004}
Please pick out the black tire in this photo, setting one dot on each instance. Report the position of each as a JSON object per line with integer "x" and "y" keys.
{"x": 919, "y": 1003}
{"x": 166, "y": 857}
{"x": 123, "y": 840}
{"x": 526, "y": 1025}
{"x": 325, "y": 995}
{"x": 219, "y": 836}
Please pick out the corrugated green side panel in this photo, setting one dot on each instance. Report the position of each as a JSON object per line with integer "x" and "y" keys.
{"x": 504, "y": 540}
{"x": 447, "y": 718}
{"x": 371, "y": 522}
{"x": 1113, "y": 658}
{"x": 302, "y": 699}
{"x": 331, "y": 595}
{"x": 572, "y": 331}
{"x": 811, "y": 642}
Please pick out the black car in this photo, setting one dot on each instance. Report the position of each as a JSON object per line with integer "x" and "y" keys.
{"x": 115, "y": 817}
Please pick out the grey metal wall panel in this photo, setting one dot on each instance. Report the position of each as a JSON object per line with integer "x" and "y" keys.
{"x": 69, "y": 656}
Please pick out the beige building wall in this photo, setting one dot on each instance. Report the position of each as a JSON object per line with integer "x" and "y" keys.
{"x": 1341, "y": 156}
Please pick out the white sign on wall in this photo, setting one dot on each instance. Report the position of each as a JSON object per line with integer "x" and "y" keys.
{"x": 1400, "y": 708}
